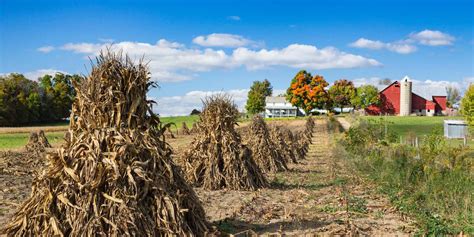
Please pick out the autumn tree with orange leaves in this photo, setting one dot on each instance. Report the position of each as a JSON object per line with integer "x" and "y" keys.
{"x": 307, "y": 92}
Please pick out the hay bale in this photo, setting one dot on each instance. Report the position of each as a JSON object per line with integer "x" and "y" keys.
{"x": 264, "y": 150}
{"x": 185, "y": 129}
{"x": 217, "y": 159}
{"x": 284, "y": 145}
{"x": 114, "y": 176}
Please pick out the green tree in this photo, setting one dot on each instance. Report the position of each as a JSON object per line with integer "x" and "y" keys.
{"x": 256, "y": 96}
{"x": 341, "y": 93}
{"x": 18, "y": 107}
{"x": 308, "y": 92}
{"x": 453, "y": 96}
{"x": 365, "y": 96}
{"x": 467, "y": 105}
{"x": 23, "y": 101}
{"x": 58, "y": 95}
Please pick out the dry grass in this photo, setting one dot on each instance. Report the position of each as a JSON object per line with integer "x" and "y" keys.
{"x": 12, "y": 130}
{"x": 114, "y": 175}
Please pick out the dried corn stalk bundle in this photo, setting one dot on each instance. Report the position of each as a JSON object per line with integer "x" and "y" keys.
{"x": 43, "y": 140}
{"x": 264, "y": 150}
{"x": 168, "y": 133}
{"x": 114, "y": 176}
{"x": 37, "y": 142}
{"x": 283, "y": 145}
{"x": 217, "y": 159}
{"x": 292, "y": 142}
{"x": 185, "y": 129}
{"x": 309, "y": 127}
{"x": 304, "y": 139}
{"x": 302, "y": 144}
{"x": 194, "y": 128}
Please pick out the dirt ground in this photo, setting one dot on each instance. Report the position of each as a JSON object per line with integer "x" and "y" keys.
{"x": 318, "y": 196}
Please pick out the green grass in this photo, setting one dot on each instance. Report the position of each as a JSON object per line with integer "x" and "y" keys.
{"x": 18, "y": 140}
{"x": 178, "y": 121}
{"x": 420, "y": 125}
{"x": 433, "y": 183}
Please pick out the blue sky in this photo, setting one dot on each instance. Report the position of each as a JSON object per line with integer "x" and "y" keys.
{"x": 197, "y": 48}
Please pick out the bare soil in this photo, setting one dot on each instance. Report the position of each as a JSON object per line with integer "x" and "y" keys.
{"x": 321, "y": 195}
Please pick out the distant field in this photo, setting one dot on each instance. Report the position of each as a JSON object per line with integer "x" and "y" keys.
{"x": 420, "y": 125}
{"x": 18, "y": 140}
{"x": 17, "y": 137}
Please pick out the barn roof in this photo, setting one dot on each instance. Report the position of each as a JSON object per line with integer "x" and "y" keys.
{"x": 427, "y": 93}
{"x": 275, "y": 99}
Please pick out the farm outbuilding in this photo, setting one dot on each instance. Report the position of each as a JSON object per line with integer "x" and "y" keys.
{"x": 455, "y": 129}
{"x": 403, "y": 99}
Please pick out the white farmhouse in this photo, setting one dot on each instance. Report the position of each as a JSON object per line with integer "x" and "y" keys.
{"x": 277, "y": 107}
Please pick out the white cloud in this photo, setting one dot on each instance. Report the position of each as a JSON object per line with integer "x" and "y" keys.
{"x": 166, "y": 106}
{"x": 424, "y": 88}
{"x": 46, "y": 49}
{"x": 234, "y": 18}
{"x": 401, "y": 48}
{"x": 172, "y": 61}
{"x": 432, "y": 38}
{"x": 222, "y": 40}
{"x": 34, "y": 75}
{"x": 301, "y": 56}
{"x": 406, "y": 46}
{"x": 468, "y": 81}
{"x": 84, "y": 48}
{"x": 368, "y": 44}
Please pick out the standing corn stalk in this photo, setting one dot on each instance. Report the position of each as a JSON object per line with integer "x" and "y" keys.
{"x": 217, "y": 159}
{"x": 114, "y": 176}
{"x": 264, "y": 150}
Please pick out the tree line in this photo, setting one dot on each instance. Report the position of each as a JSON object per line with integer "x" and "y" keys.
{"x": 26, "y": 102}
{"x": 309, "y": 92}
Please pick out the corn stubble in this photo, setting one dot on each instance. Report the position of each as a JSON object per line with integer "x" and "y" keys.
{"x": 114, "y": 176}
{"x": 217, "y": 159}
{"x": 264, "y": 150}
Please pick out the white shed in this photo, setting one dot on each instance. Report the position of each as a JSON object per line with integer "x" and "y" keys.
{"x": 455, "y": 129}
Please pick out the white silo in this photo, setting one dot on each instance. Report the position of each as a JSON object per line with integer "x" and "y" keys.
{"x": 405, "y": 96}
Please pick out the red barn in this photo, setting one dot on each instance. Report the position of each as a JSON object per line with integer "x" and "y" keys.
{"x": 399, "y": 99}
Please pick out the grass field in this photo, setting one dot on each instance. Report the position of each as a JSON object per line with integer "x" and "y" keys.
{"x": 420, "y": 125}
{"x": 18, "y": 140}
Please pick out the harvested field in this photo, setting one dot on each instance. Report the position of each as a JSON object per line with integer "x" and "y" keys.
{"x": 320, "y": 195}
